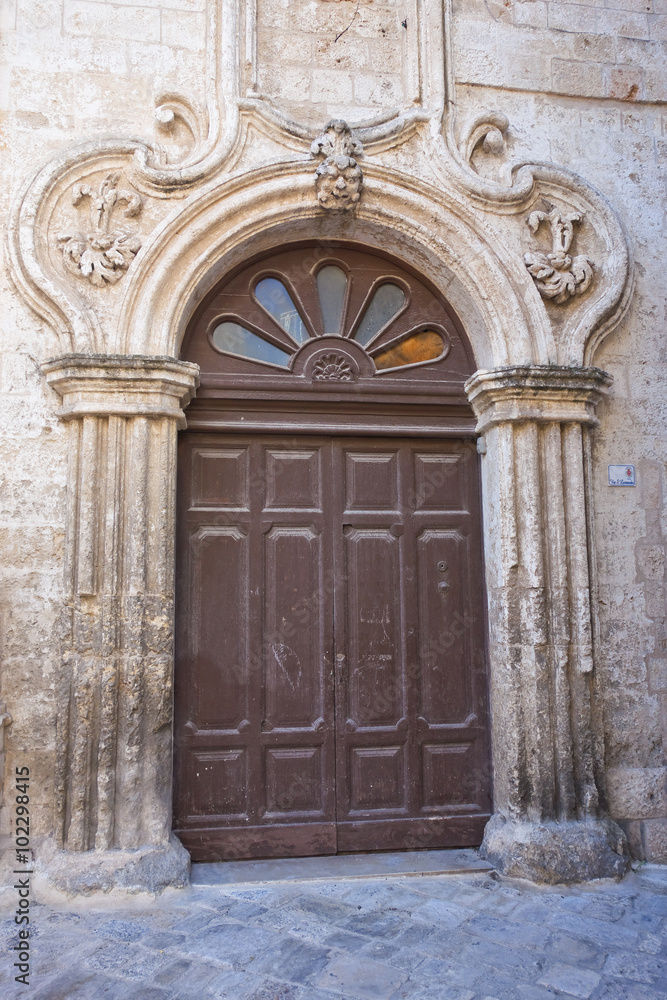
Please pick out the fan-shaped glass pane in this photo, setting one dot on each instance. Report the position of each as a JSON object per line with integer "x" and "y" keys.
{"x": 384, "y": 305}
{"x": 235, "y": 339}
{"x": 425, "y": 346}
{"x": 331, "y": 287}
{"x": 277, "y": 301}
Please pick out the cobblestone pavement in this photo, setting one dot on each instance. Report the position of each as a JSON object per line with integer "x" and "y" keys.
{"x": 446, "y": 937}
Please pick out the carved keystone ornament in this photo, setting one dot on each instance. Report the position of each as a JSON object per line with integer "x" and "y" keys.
{"x": 102, "y": 255}
{"x": 558, "y": 276}
{"x": 338, "y": 178}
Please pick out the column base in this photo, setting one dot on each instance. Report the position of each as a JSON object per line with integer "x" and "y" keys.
{"x": 146, "y": 869}
{"x": 553, "y": 852}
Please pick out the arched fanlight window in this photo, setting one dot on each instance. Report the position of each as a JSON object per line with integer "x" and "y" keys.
{"x": 263, "y": 317}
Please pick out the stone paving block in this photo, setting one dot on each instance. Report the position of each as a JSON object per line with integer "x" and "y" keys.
{"x": 163, "y": 940}
{"x": 599, "y": 931}
{"x": 407, "y": 896}
{"x": 656, "y": 905}
{"x": 81, "y": 984}
{"x": 325, "y": 908}
{"x": 401, "y": 958}
{"x": 641, "y": 921}
{"x": 654, "y": 877}
{"x": 498, "y": 956}
{"x": 566, "y": 948}
{"x": 499, "y": 987}
{"x": 441, "y": 913}
{"x": 108, "y": 957}
{"x": 183, "y": 973}
{"x": 193, "y": 924}
{"x": 532, "y": 912}
{"x": 141, "y": 965}
{"x": 362, "y": 978}
{"x": 568, "y": 979}
{"x": 628, "y": 991}
{"x": 413, "y": 935}
{"x": 607, "y": 909}
{"x": 244, "y": 910}
{"x": 531, "y": 992}
{"x": 293, "y": 960}
{"x": 314, "y": 993}
{"x": 641, "y": 968}
{"x": 461, "y": 974}
{"x": 233, "y": 943}
{"x": 272, "y": 990}
{"x": 227, "y": 985}
{"x": 144, "y": 992}
{"x": 652, "y": 944}
{"x": 122, "y": 930}
{"x": 499, "y": 902}
{"x": 431, "y": 991}
{"x": 507, "y": 932}
{"x": 345, "y": 940}
{"x": 377, "y": 923}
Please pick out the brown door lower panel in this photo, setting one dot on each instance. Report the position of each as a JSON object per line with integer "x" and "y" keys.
{"x": 420, "y": 834}
{"x": 330, "y": 689}
{"x": 281, "y": 841}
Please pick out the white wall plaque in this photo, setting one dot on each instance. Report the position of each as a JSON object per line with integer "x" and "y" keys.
{"x": 621, "y": 475}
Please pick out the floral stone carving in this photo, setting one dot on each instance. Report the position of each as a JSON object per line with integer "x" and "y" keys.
{"x": 558, "y": 276}
{"x": 102, "y": 255}
{"x": 338, "y": 178}
{"x": 332, "y": 367}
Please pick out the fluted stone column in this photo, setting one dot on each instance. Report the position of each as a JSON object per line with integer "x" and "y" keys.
{"x": 549, "y": 822}
{"x": 114, "y": 725}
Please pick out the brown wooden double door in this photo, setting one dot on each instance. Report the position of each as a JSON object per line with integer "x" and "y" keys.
{"x": 330, "y": 680}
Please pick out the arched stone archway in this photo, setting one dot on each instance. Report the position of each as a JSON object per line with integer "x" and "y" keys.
{"x": 123, "y": 390}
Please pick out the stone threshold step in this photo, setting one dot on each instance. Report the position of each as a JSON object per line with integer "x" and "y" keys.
{"x": 338, "y": 866}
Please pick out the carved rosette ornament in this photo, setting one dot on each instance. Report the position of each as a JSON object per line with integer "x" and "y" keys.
{"x": 332, "y": 367}
{"x": 558, "y": 276}
{"x": 338, "y": 178}
{"x": 102, "y": 255}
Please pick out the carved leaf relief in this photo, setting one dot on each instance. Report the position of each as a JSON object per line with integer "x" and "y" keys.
{"x": 102, "y": 254}
{"x": 338, "y": 179}
{"x": 557, "y": 275}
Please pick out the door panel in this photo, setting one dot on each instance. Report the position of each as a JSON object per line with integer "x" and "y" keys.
{"x": 254, "y": 684}
{"x": 331, "y": 683}
{"x": 219, "y": 559}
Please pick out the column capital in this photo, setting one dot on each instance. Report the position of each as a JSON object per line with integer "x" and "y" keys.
{"x": 122, "y": 385}
{"x": 541, "y": 393}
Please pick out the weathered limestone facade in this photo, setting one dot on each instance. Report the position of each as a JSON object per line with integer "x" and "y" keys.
{"x": 511, "y": 152}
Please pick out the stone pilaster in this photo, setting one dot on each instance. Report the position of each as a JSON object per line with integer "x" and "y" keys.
{"x": 114, "y": 738}
{"x": 549, "y": 822}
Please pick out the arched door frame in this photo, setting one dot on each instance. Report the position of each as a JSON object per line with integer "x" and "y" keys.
{"x": 534, "y": 395}
{"x": 417, "y": 424}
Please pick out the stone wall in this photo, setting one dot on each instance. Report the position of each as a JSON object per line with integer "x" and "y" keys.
{"x": 583, "y": 85}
